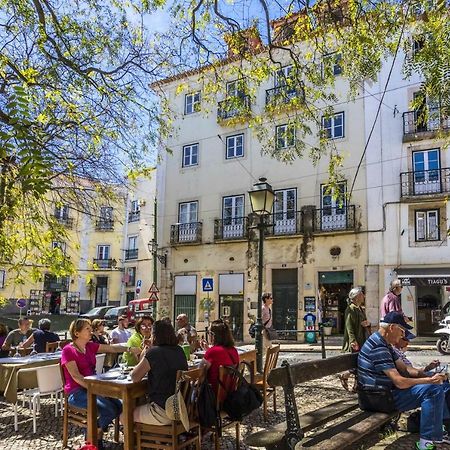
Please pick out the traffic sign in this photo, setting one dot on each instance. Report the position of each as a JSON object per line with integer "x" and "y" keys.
{"x": 207, "y": 284}
{"x": 153, "y": 289}
{"x": 153, "y": 297}
{"x": 21, "y": 303}
{"x": 138, "y": 290}
{"x": 139, "y": 283}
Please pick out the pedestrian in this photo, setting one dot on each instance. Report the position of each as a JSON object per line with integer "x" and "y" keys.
{"x": 121, "y": 334}
{"x": 161, "y": 363}
{"x": 391, "y": 301}
{"x": 78, "y": 361}
{"x": 186, "y": 332}
{"x": 41, "y": 336}
{"x": 268, "y": 332}
{"x": 379, "y": 366}
{"x": 356, "y": 329}
{"x": 19, "y": 335}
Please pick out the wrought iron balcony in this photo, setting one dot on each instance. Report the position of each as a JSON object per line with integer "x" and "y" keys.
{"x": 334, "y": 218}
{"x": 285, "y": 223}
{"x": 104, "y": 225}
{"x": 425, "y": 182}
{"x": 131, "y": 253}
{"x": 103, "y": 263}
{"x": 415, "y": 122}
{"x": 282, "y": 95}
{"x": 186, "y": 233}
{"x": 233, "y": 107}
{"x": 66, "y": 221}
{"x": 233, "y": 228}
{"x": 134, "y": 216}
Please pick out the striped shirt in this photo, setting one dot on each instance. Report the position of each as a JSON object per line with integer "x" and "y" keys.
{"x": 374, "y": 358}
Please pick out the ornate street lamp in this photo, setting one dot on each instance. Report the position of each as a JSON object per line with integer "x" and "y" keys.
{"x": 153, "y": 248}
{"x": 261, "y": 200}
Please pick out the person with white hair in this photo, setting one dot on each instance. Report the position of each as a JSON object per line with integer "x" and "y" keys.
{"x": 391, "y": 301}
{"x": 356, "y": 323}
{"x": 356, "y": 330}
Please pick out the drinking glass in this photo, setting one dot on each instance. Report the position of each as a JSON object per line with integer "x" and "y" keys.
{"x": 58, "y": 349}
{"x": 123, "y": 364}
{"x": 17, "y": 354}
{"x": 33, "y": 352}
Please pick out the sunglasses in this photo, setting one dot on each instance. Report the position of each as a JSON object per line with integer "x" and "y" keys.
{"x": 146, "y": 327}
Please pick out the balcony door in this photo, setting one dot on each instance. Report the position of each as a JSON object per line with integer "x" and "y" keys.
{"x": 334, "y": 207}
{"x": 426, "y": 165}
{"x": 187, "y": 219}
{"x": 284, "y": 210}
{"x": 233, "y": 216}
{"x": 427, "y": 114}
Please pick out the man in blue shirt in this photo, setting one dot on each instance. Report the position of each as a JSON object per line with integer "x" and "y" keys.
{"x": 41, "y": 336}
{"x": 378, "y": 365}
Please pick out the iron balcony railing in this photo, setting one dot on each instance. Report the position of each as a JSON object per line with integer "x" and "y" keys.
{"x": 282, "y": 95}
{"x": 433, "y": 119}
{"x": 425, "y": 182}
{"x": 134, "y": 216}
{"x": 334, "y": 218}
{"x": 233, "y": 107}
{"x": 186, "y": 233}
{"x": 103, "y": 263}
{"x": 104, "y": 225}
{"x": 231, "y": 228}
{"x": 66, "y": 221}
{"x": 285, "y": 223}
{"x": 131, "y": 253}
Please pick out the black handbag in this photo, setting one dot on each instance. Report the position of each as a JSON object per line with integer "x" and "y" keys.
{"x": 376, "y": 399}
{"x": 271, "y": 334}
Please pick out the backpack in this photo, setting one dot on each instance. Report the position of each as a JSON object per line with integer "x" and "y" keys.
{"x": 252, "y": 330}
{"x": 206, "y": 406}
{"x": 245, "y": 399}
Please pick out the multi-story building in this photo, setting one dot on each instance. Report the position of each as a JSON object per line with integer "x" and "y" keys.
{"x": 407, "y": 192}
{"x": 316, "y": 248}
{"x": 109, "y": 251}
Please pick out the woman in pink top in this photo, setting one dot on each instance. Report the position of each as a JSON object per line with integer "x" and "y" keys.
{"x": 78, "y": 361}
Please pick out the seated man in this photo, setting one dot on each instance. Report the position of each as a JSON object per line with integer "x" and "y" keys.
{"x": 186, "y": 331}
{"x": 378, "y": 365}
{"x": 19, "y": 335}
{"x": 41, "y": 336}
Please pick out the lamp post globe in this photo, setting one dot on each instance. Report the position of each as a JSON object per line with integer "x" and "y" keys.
{"x": 261, "y": 199}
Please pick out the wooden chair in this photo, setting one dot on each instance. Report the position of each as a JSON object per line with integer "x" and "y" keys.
{"x": 169, "y": 436}
{"x": 261, "y": 379}
{"x": 77, "y": 416}
{"x": 51, "y": 347}
{"x": 228, "y": 382}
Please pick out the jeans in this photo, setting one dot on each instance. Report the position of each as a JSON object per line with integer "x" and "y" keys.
{"x": 431, "y": 399}
{"x": 108, "y": 408}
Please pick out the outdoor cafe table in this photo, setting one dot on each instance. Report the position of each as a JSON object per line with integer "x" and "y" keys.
{"x": 9, "y": 383}
{"x": 108, "y": 385}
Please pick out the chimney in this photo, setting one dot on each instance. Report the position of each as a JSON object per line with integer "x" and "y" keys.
{"x": 243, "y": 41}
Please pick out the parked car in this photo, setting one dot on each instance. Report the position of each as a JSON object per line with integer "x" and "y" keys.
{"x": 112, "y": 315}
{"x": 96, "y": 313}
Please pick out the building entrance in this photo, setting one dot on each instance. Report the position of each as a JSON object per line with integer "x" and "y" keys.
{"x": 285, "y": 305}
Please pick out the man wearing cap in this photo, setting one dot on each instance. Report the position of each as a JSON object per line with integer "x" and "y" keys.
{"x": 378, "y": 365}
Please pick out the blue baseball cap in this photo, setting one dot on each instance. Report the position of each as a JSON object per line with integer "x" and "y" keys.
{"x": 399, "y": 319}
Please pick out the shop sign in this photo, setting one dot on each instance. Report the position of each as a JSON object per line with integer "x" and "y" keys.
{"x": 431, "y": 281}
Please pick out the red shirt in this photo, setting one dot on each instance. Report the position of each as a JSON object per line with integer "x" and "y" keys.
{"x": 218, "y": 356}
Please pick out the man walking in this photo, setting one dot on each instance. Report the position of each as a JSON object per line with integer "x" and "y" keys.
{"x": 266, "y": 318}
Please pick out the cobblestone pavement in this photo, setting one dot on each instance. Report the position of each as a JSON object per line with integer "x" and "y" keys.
{"x": 324, "y": 391}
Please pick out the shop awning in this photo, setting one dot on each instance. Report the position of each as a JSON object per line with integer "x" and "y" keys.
{"x": 426, "y": 276}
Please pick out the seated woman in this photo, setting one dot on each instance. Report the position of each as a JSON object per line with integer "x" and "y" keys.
{"x": 99, "y": 334}
{"x": 161, "y": 362}
{"x": 140, "y": 337}
{"x": 78, "y": 361}
{"x": 221, "y": 353}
